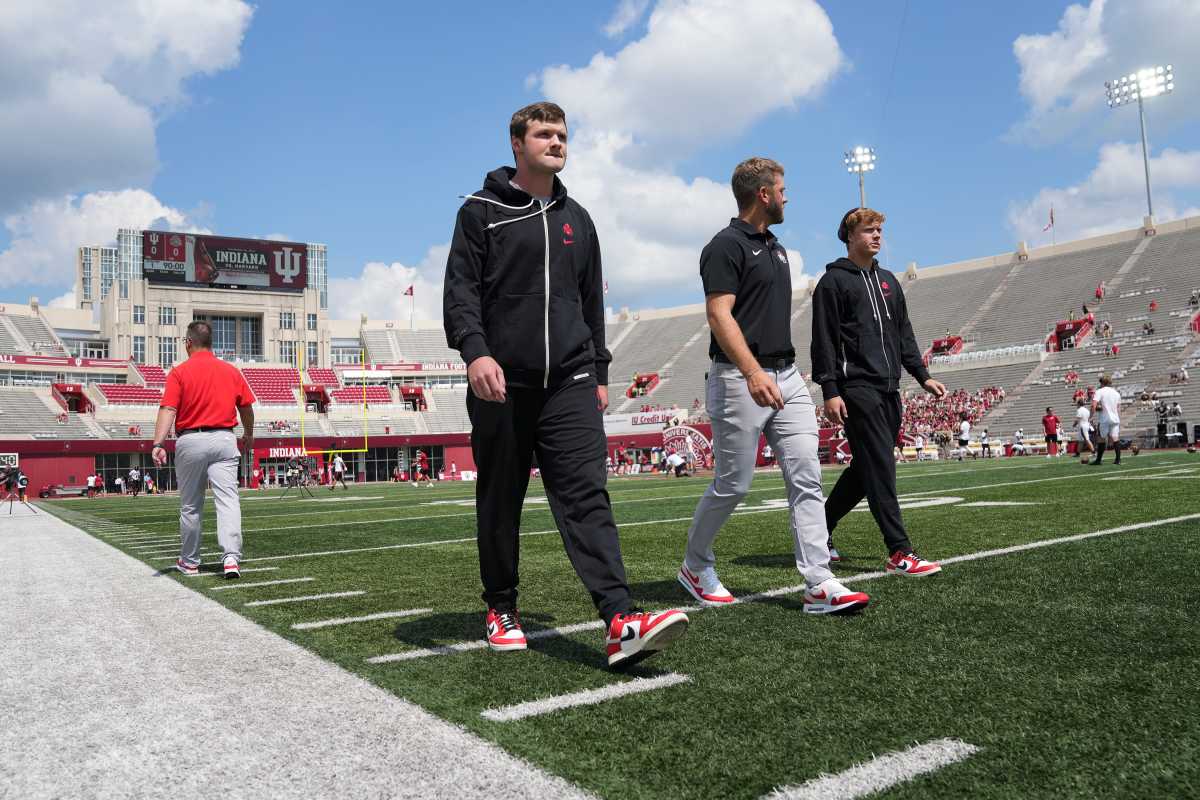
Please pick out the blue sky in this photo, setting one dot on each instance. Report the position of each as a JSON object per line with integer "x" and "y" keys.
{"x": 360, "y": 129}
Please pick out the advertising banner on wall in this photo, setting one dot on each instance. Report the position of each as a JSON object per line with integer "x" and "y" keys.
{"x": 218, "y": 261}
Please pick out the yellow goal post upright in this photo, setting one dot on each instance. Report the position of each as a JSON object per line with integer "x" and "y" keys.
{"x": 304, "y": 404}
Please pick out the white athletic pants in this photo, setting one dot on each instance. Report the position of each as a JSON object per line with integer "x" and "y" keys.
{"x": 737, "y": 422}
{"x": 208, "y": 457}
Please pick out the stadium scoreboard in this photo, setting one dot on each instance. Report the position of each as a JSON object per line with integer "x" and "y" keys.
{"x": 221, "y": 261}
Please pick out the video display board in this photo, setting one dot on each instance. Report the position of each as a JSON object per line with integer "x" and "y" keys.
{"x": 199, "y": 260}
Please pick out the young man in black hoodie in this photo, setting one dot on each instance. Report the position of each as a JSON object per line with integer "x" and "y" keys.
{"x": 524, "y": 304}
{"x": 861, "y": 338}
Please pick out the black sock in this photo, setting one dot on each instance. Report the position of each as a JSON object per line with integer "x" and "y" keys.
{"x": 1100, "y": 450}
{"x": 1117, "y": 450}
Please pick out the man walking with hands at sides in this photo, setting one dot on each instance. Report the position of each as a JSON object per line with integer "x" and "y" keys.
{"x": 861, "y": 338}
{"x": 1107, "y": 405}
{"x": 339, "y": 473}
{"x": 203, "y": 400}
{"x": 524, "y": 304}
{"x": 755, "y": 388}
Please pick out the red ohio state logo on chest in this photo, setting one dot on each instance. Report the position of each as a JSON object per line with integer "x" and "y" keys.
{"x": 568, "y": 234}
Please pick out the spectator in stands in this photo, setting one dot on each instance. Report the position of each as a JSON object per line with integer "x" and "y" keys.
{"x": 1100, "y": 291}
{"x": 1183, "y": 374}
{"x": 1176, "y": 410}
{"x": 1106, "y": 330}
{"x": 1153, "y": 306}
{"x": 861, "y": 381}
{"x": 1116, "y": 349}
{"x": 1147, "y": 328}
{"x": 1071, "y": 315}
{"x": 1194, "y": 300}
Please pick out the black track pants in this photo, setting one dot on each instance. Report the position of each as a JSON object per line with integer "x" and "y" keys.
{"x": 563, "y": 426}
{"x": 871, "y": 428}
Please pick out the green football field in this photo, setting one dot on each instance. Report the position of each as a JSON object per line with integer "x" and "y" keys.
{"x": 1073, "y": 665}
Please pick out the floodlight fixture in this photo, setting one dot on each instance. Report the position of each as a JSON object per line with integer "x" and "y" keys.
{"x": 1140, "y": 86}
{"x": 860, "y": 160}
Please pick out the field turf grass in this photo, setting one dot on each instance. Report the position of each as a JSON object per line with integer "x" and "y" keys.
{"x": 1075, "y": 667}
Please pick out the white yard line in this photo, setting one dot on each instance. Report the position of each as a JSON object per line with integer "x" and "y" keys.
{"x": 280, "y": 582}
{"x": 326, "y": 623}
{"x": 242, "y": 569}
{"x": 304, "y": 598}
{"x": 462, "y": 647}
{"x": 996, "y": 504}
{"x": 587, "y": 697}
{"x": 880, "y": 773}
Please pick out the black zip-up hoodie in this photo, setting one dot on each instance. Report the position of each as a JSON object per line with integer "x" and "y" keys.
{"x": 861, "y": 332}
{"x": 524, "y": 285}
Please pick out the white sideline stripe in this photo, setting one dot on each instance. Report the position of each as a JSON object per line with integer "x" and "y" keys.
{"x": 260, "y": 583}
{"x": 462, "y": 647}
{"x": 996, "y": 503}
{"x": 304, "y": 598}
{"x": 479, "y": 644}
{"x": 241, "y": 569}
{"x": 1083, "y": 476}
{"x": 880, "y": 773}
{"x": 325, "y": 623}
{"x": 587, "y": 697}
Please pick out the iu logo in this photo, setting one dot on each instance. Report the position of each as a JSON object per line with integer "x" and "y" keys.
{"x": 568, "y": 234}
{"x": 287, "y": 264}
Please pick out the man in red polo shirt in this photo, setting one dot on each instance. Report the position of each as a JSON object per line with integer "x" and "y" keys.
{"x": 1050, "y": 429}
{"x": 203, "y": 399}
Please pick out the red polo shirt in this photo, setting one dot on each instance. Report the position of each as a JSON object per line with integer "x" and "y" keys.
{"x": 1050, "y": 424}
{"x": 206, "y": 392}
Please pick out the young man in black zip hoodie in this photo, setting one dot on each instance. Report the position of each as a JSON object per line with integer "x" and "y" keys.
{"x": 524, "y": 304}
{"x": 861, "y": 338}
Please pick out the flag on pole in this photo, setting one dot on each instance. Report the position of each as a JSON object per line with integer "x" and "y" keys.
{"x": 1050, "y": 224}
{"x": 409, "y": 292}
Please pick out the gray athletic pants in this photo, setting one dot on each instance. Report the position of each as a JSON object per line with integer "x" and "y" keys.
{"x": 737, "y": 422}
{"x": 208, "y": 457}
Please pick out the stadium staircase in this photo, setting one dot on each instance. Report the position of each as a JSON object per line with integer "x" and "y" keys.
{"x": 985, "y": 308}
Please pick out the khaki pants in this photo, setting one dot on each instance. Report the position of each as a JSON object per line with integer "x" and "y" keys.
{"x": 208, "y": 457}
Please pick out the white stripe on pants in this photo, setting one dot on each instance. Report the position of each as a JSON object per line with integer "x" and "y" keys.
{"x": 208, "y": 457}
{"x": 737, "y": 422}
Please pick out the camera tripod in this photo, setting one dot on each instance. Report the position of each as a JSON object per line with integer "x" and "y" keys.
{"x": 300, "y": 485}
{"x": 14, "y": 497}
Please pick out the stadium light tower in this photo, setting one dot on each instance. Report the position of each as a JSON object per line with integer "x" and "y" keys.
{"x": 1140, "y": 85}
{"x": 860, "y": 160}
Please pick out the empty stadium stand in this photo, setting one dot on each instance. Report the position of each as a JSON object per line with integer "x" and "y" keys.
{"x": 129, "y": 394}
{"x": 151, "y": 374}
{"x": 28, "y": 413}
{"x": 375, "y": 395}
{"x": 37, "y": 335}
{"x": 273, "y": 384}
{"x": 324, "y": 376}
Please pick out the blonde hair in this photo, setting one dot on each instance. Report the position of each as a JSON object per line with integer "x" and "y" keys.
{"x": 750, "y": 176}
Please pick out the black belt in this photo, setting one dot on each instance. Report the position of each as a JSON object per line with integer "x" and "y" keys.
{"x": 201, "y": 429}
{"x": 766, "y": 362}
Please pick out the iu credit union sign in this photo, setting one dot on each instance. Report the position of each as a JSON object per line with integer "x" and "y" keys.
{"x": 188, "y": 258}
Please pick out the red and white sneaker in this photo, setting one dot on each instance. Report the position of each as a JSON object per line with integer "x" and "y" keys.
{"x": 705, "y": 586}
{"x": 911, "y": 564}
{"x": 504, "y": 630}
{"x": 637, "y": 635}
{"x": 831, "y": 597}
{"x": 834, "y": 555}
{"x": 186, "y": 568}
{"x": 230, "y": 567}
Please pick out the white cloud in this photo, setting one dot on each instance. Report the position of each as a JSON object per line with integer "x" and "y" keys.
{"x": 1112, "y": 197}
{"x": 66, "y": 300}
{"x": 378, "y": 291}
{"x": 1063, "y": 72}
{"x": 689, "y": 81}
{"x": 46, "y": 235}
{"x": 81, "y": 82}
{"x": 626, "y": 14}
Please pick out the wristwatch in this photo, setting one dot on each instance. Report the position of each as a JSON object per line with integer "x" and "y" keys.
{"x": 156, "y": 445}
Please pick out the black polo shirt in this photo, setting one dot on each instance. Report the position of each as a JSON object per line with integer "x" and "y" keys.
{"x": 739, "y": 260}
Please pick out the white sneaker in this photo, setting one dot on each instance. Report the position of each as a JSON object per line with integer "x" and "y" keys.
{"x": 230, "y": 567}
{"x": 831, "y": 597}
{"x": 705, "y": 586}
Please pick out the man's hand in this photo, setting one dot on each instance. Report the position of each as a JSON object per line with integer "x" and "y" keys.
{"x": 247, "y": 442}
{"x": 486, "y": 379}
{"x": 764, "y": 390}
{"x": 602, "y": 398}
{"x": 160, "y": 456}
{"x": 935, "y": 388}
{"x": 835, "y": 410}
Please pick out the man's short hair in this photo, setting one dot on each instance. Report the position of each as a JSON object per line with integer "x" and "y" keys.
{"x": 199, "y": 333}
{"x": 544, "y": 111}
{"x": 855, "y": 217}
{"x": 752, "y": 175}
{"x": 1105, "y": 380}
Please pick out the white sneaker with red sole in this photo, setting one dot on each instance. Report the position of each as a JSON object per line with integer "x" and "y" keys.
{"x": 637, "y": 635}
{"x": 911, "y": 564}
{"x": 704, "y": 585}
{"x": 230, "y": 567}
{"x": 186, "y": 568}
{"x": 831, "y": 597}
{"x": 504, "y": 630}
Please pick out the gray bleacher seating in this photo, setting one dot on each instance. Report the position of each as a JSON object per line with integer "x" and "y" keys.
{"x": 23, "y": 413}
{"x": 8, "y": 343}
{"x": 380, "y": 347}
{"x": 36, "y": 333}
{"x": 423, "y": 346}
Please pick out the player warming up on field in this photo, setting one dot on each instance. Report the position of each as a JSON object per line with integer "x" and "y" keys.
{"x": 861, "y": 338}
{"x": 1106, "y": 404}
{"x": 524, "y": 304}
{"x": 339, "y": 473}
{"x": 754, "y": 388}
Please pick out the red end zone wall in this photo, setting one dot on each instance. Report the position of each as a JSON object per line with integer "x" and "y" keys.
{"x": 67, "y": 470}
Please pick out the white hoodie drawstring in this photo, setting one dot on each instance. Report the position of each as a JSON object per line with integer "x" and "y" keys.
{"x": 492, "y": 225}
{"x": 870, "y": 296}
{"x": 881, "y": 297}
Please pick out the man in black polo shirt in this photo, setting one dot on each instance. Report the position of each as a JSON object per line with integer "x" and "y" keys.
{"x": 755, "y": 388}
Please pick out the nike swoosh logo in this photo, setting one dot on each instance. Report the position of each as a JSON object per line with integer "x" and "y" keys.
{"x": 628, "y": 634}
{"x": 755, "y": 252}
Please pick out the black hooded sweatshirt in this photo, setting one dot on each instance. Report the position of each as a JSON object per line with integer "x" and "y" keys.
{"x": 861, "y": 332}
{"x": 524, "y": 285}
